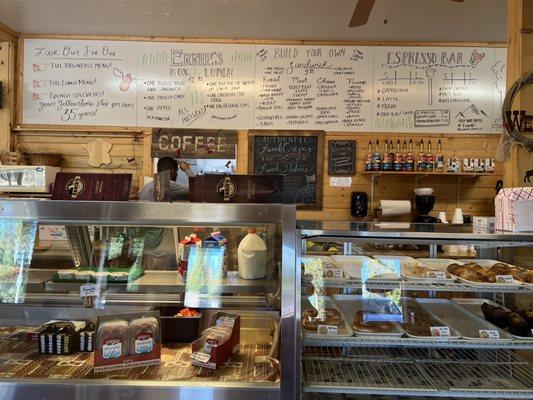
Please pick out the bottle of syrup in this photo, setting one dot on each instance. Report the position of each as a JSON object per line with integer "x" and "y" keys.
{"x": 387, "y": 160}
{"x": 421, "y": 163}
{"x": 398, "y": 157}
{"x": 368, "y": 163}
{"x": 430, "y": 159}
{"x": 376, "y": 158}
{"x": 439, "y": 158}
{"x": 409, "y": 158}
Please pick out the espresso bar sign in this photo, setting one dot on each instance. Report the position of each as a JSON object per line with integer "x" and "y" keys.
{"x": 341, "y": 157}
{"x": 194, "y": 143}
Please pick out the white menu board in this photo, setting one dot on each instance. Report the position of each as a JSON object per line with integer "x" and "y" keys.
{"x": 79, "y": 82}
{"x": 195, "y": 85}
{"x": 433, "y": 89}
{"x": 314, "y": 87}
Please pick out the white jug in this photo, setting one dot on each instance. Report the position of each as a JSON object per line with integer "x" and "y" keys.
{"x": 252, "y": 256}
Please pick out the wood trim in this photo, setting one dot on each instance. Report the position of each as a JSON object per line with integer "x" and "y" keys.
{"x": 320, "y": 159}
{"x": 181, "y": 39}
{"x": 7, "y": 75}
{"x": 148, "y": 161}
{"x": 8, "y": 34}
{"x": 19, "y": 83}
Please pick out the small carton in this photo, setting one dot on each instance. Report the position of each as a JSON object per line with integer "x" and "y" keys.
{"x": 479, "y": 165}
{"x": 468, "y": 164}
{"x": 489, "y": 165}
{"x": 453, "y": 166}
{"x": 216, "y": 240}
{"x": 184, "y": 249}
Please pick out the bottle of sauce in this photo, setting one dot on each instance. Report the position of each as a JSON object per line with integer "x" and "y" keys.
{"x": 398, "y": 157}
{"x": 387, "y": 160}
{"x": 421, "y": 163}
{"x": 439, "y": 158}
{"x": 376, "y": 158}
{"x": 368, "y": 163}
{"x": 430, "y": 159}
{"x": 409, "y": 158}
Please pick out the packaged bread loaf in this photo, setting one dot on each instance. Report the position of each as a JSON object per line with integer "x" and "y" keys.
{"x": 112, "y": 338}
{"x": 142, "y": 333}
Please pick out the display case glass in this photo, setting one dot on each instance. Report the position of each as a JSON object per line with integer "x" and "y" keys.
{"x": 415, "y": 310}
{"x": 147, "y": 300}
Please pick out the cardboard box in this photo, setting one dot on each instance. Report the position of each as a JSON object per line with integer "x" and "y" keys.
{"x": 236, "y": 189}
{"x": 218, "y": 354}
{"x": 184, "y": 249}
{"x": 507, "y": 217}
{"x": 96, "y": 187}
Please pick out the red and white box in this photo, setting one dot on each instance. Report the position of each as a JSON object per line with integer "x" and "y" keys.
{"x": 184, "y": 249}
{"x": 508, "y": 218}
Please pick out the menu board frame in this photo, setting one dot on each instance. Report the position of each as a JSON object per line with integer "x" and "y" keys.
{"x": 319, "y": 182}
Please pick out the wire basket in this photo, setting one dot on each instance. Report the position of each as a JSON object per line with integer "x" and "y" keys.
{"x": 48, "y": 159}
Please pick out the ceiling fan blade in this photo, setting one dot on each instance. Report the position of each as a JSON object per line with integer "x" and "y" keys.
{"x": 361, "y": 13}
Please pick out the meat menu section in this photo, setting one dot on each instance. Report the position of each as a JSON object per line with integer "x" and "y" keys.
{"x": 318, "y": 87}
{"x": 254, "y": 86}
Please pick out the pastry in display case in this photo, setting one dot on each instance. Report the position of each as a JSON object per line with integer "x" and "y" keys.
{"x": 422, "y": 325}
{"x": 137, "y": 300}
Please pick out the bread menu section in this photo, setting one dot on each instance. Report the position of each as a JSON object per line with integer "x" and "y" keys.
{"x": 254, "y": 86}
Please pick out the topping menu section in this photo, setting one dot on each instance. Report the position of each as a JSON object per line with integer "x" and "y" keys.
{"x": 434, "y": 89}
{"x": 255, "y": 86}
{"x": 313, "y": 87}
{"x": 76, "y": 82}
{"x": 195, "y": 85}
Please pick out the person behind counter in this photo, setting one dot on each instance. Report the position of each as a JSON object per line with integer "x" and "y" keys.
{"x": 177, "y": 191}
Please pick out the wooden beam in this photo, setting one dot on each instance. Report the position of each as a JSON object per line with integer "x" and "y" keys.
{"x": 7, "y": 77}
{"x": 7, "y": 34}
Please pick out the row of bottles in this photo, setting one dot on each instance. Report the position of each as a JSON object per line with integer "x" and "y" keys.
{"x": 403, "y": 159}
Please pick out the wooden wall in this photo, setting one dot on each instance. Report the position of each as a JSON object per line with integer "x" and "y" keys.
{"x": 477, "y": 194}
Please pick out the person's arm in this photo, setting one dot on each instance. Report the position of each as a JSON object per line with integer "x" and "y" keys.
{"x": 185, "y": 167}
{"x": 178, "y": 191}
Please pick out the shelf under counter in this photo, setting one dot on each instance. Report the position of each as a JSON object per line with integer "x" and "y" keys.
{"x": 168, "y": 282}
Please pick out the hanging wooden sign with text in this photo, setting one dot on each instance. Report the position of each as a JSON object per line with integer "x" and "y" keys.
{"x": 341, "y": 159}
{"x": 194, "y": 143}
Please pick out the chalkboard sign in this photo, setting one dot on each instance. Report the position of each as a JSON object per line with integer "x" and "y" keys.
{"x": 298, "y": 157}
{"x": 341, "y": 157}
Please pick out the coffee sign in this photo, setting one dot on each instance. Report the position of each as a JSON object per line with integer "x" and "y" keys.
{"x": 195, "y": 144}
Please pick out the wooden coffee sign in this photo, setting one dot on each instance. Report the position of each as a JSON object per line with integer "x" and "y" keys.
{"x": 194, "y": 143}
{"x": 298, "y": 156}
{"x": 341, "y": 157}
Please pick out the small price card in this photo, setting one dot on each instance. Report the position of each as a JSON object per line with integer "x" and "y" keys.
{"x": 436, "y": 274}
{"x": 504, "y": 279}
{"x": 88, "y": 290}
{"x": 489, "y": 334}
{"x": 440, "y": 331}
{"x": 335, "y": 273}
{"x": 327, "y": 330}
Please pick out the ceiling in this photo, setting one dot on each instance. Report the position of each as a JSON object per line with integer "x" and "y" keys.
{"x": 418, "y": 20}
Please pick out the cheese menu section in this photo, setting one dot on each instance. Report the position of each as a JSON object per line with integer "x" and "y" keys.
{"x": 195, "y": 85}
{"x": 78, "y": 82}
{"x": 319, "y": 87}
{"x": 255, "y": 86}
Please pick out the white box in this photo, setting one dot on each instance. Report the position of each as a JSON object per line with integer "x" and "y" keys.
{"x": 524, "y": 216}
{"x": 505, "y": 202}
{"x": 27, "y": 178}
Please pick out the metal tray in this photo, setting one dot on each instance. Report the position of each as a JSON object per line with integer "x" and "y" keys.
{"x": 485, "y": 263}
{"x": 463, "y": 321}
{"x": 454, "y": 333}
{"x": 349, "y": 305}
{"x": 408, "y": 263}
{"x": 474, "y": 306}
{"x": 343, "y": 330}
{"x": 353, "y": 266}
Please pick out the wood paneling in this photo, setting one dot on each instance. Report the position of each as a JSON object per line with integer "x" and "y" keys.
{"x": 7, "y": 34}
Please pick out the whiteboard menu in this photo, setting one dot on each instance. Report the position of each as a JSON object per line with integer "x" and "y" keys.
{"x": 78, "y": 82}
{"x": 195, "y": 85}
{"x": 433, "y": 89}
{"x": 314, "y": 87}
{"x": 255, "y": 86}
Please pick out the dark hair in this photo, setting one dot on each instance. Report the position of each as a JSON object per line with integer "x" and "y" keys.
{"x": 166, "y": 163}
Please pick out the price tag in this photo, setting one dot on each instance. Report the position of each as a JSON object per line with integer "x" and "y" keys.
{"x": 436, "y": 274}
{"x": 233, "y": 274}
{"x": 504, "y": 279}
{"x": 489, "y": 334}
{"x": 201, "y": 357}
{"x": 440, "y": 331}
{"x": 333, "y": 273}
{"x": 89, "y": 290}
{"x": 327, "y": 330}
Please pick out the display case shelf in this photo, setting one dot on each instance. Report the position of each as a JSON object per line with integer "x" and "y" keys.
{"x": 437, "y": 373}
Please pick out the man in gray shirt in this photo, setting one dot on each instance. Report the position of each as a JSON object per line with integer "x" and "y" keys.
{"x": 177, "y": 191}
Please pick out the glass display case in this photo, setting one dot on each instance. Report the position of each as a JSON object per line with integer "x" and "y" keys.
{"x": 414, "y": 311}
{"x": 147, "y": 300}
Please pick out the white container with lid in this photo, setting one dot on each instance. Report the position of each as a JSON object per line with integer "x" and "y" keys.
{"x": 252, "y": 256}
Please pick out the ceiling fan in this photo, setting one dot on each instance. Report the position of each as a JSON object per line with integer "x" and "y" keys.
{"x": 362, "y": 11}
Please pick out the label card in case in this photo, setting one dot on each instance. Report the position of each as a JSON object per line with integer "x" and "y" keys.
{"x": 327, "y": 330}
{"x": 436, "y": 274}
{"x": 489, "y": 334}
{"x": 504, "y": 279}
{"x": 440, "y": 331}
{"x": 89, "y": 289}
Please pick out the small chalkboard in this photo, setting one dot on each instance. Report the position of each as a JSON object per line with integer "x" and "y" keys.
{"x": 298, "y": 156}
{"x": 341, "y": 157}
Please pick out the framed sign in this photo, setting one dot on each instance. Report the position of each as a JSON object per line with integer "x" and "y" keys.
{"x": 194, "y": 143}
{"x": 341, "y": 157}
{"x": 298, "y": 156}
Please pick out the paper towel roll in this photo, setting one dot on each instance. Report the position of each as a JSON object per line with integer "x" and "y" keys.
{"x": 390, "y": 208}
